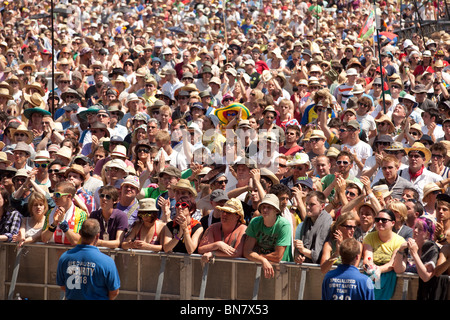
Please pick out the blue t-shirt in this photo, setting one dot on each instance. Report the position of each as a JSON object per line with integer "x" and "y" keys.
{"x": 347, "y": 283}
{"x": 87, "y": 273}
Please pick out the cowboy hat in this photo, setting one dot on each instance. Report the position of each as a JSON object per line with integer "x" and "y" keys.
{"x": 221, "y": 112}
{"x": 4, "y": 92}
{"x": 417, "y": 146}
{"x": 37, "y": 105}
{"x": 385, "y": 118}
{"x": 430, "y": 187}
{"x": 184, "y": 184}
{"x": 77, "y": 169}
{"x": 120, "y": 79}
{"x": 35, "y": 85}
{"x": 28, "y": 64}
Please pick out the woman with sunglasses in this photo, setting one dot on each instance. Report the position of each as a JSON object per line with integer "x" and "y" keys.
{"x": 420, "y": 255}
{"x": 343, "y": 228}
{"x": 380, "y": 248}
{"x": 183, "y": 233}
{"x": 113, "y": 223}
{"x": 146, "y": 233}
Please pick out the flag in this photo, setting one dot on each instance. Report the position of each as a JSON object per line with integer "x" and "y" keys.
{"x": 368, "y": 28}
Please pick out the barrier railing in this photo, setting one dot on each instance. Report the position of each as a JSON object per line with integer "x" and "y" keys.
{"x": 31, "y": 272}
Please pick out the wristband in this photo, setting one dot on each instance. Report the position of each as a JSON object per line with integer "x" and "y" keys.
{"x": 52, "y": 228}
{"x": 176, "y": 237}
{"x": 64, "y": 226}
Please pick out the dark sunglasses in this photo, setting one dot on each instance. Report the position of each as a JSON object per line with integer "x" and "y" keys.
{"x": 105, "y": 196}
{"x": 382, "y": 220}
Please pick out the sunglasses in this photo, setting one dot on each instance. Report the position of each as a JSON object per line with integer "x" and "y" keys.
{"x": 342, "y": 163}
{"x": 42, "y": 165}
{"x": 58, "y": 195}
{"x": 222, "y": 181}
{"x": 144, "y": 215}
{"x": 348, "y": 227}
{"x": 105, "y": 196}
{"x": 144, "y": 150}
{"x": 181, "y": 205}
{"x": 437, "y": 156}
{"x": 382, "y": 220}
{"x": 50, "y": 171}
{"x": 351, "y": 194}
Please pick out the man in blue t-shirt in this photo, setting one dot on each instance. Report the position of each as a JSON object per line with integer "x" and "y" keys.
{"x": 84, "y": 273}
{"x": 346, "y": 282}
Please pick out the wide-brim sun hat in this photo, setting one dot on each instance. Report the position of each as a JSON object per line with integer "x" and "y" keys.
{"x": 221, "y": 112}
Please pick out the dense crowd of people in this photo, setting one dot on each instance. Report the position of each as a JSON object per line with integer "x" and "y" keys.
{"x": 269, "y": 130}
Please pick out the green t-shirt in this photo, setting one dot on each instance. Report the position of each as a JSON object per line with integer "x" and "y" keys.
{"x": 280, "y": 234}
{"x": 329, "y": 178}
{"x": 153, "y": 193}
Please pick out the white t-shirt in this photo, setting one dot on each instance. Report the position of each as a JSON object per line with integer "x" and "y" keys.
{"x": 367, "y": 123}
{"x": 363, "y": 151}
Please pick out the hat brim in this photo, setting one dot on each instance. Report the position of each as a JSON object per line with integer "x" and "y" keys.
{"x": 425, "y": 151}
{"x": 28, "y": 112}
{"x": 221, "y": 112}
{"x": 232, "y": 210}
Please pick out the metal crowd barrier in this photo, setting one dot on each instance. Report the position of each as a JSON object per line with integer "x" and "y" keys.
{"x": 31, "y": 272}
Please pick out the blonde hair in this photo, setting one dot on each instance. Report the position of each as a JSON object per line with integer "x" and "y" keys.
{"x": 400, "y": 207}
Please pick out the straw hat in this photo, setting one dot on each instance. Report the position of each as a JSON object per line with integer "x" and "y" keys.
{"x": 4, "y": 92}
{"x": 385, "y": 118}
{"x": 381, "y": 190}
{"x": 35, "y": 85}
{"x": 184, "y": 184}
{"x": 21, "y": 128}
{"x": 65, "y": 152}
{"x": 37, "y": 105}
{"x": 4, "y": 159}
{"x": 233, "y": 205}
{"x": 42, "y": 156}
{"x": 430, "y": 187}
{"x": 77, "y": 169}
{"x": 120, "y": 79}
{"x": 28, "y": 64}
